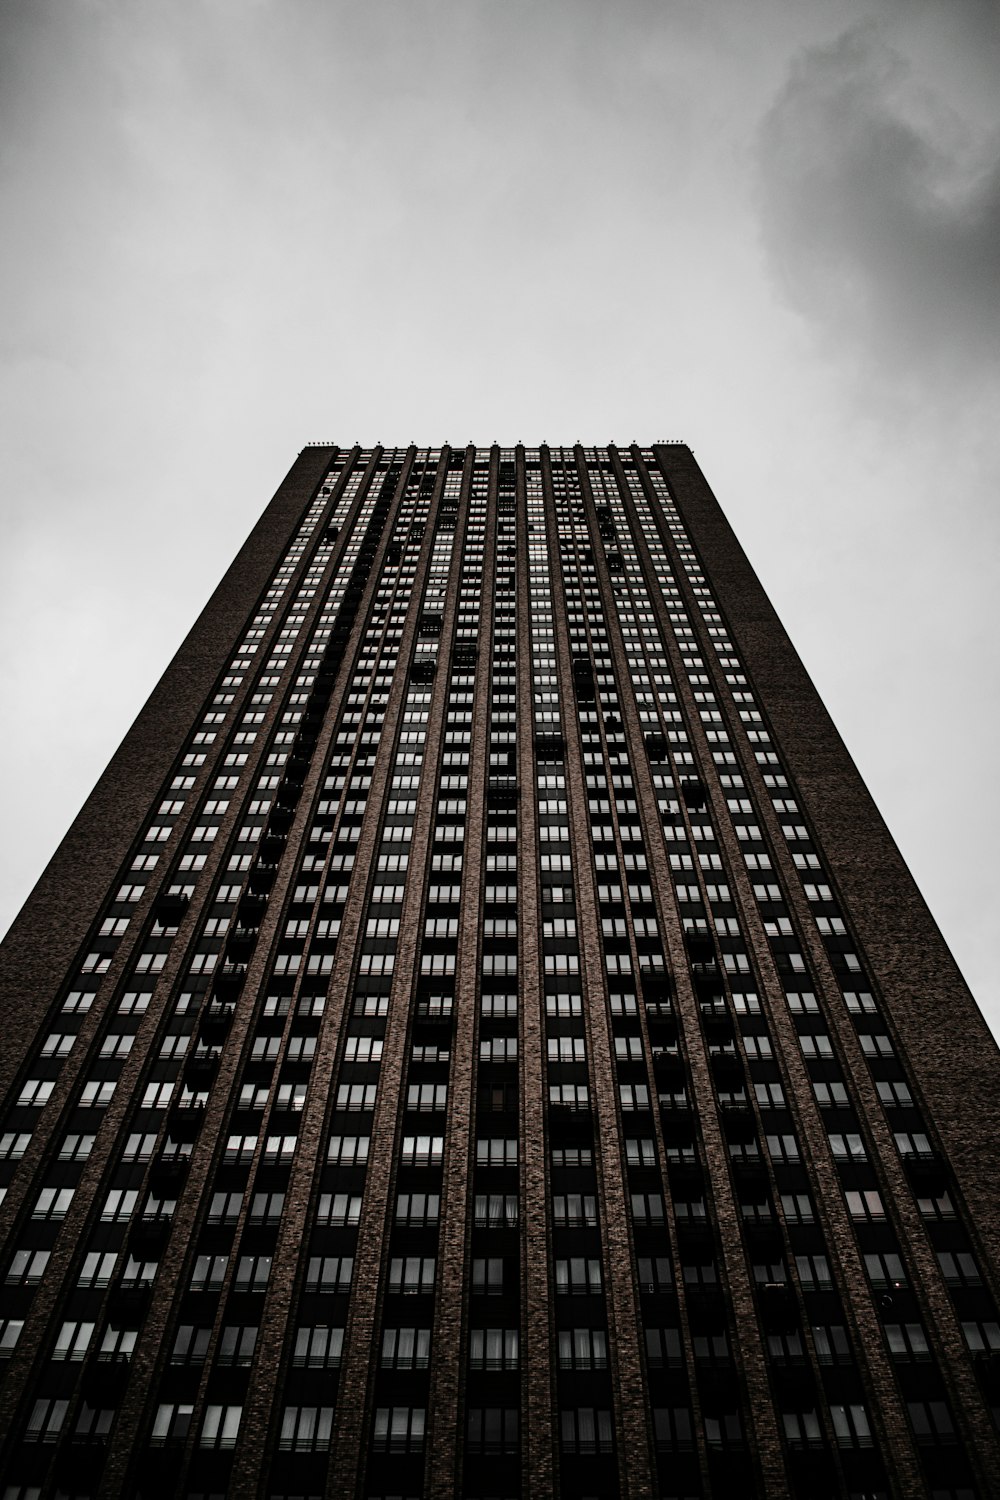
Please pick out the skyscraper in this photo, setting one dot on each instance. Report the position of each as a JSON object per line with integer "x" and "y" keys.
{"x": 479, "y": 1038}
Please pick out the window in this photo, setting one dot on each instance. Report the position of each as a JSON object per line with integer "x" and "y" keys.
{"x": 411, "y": 1208}
{"x": 772, "y": 1273}
{"x": 406, "y": 1348}
{"x": 426, "y": 1096}
{"x": 171, "y": 1424}
{"x": 700, "y": 1273}
{"x": 93, "y": 1422}
{"x": 328, "y": 1273}
{"x": 830, "y": 1342}
{"x": 623, "y": 1003}
{"x": 655, "y": 1273}
{"x": 802, "y": 1429}
{"x": 10, "y": 1332}
{"x": 335, "y": 1209}
{"x": 28, "y": 1266}
{"x": 306, "y": 1429}
{"x": 500, "y": 1006}
{"x": 46, "y": 1421}
{"x": 78, "y": 1002}
{"x": 982, "y": 1338}
{"x": 492, "y": 1429}
{"x": 97, "y": 1094}
{"x": 266, "y": 1208}
{"x": 13, "y": 1145}
{"x": 571, "y": 1095}
{"x": 35, "y": 1093}
{"x": 190, "y": 1345}
{"x": 907, "y": 1341}
{"x": 831, "y": 1095}
{"x": 663, "y": 1347}
{"x": 931, "y": 1422}
{"x": 119, "y": 1205}
{"x": 265, "y": 1048}
{"x": 894, "y": 1095}
{"x": 73, "y": 1341}
{"x": 850, "y": 1425}
{"x": 493, "y": 1349}
{"x": 785, "y": 1348}
{"x": 292, "y": 1095}
{"x": 723, "y": 1430}
{"x": 237, "y": 1344}
{"x": 814, "y": 1271}
{"x": 672, "y": 1427}
{"x": 633, "y": 1096}
{"x": 139, "y": 1273}
{"x": 58, "y": 1044}
{"x": 574, "y": 1208}
{"x": 134, "y": 1002}
{"x": 121, "y": 1046}
{"x": 865, "y": 1205}
{"x": 53, "y": 1203}
{"x": 488, "y": 1275}
{"x": 885, "y": 1270}
{"x": 97, "y": 1269}
{"x": 876, "y": 1046}
{"x": 647, "y": 1208}
{"x": 356, "y": 1096}
{"x": 848, "y": 1148}
{"x": 912, "y": 1144}
{"x": 495, "y": 1152}
{"x": 958, "y": 1268}
{"x": 225, "y": 1208}
{"x": 363, "y": 1049}
{"x": 578, "y": 1275}
{"x": 157, "y": 1096}
{"x": 208, "y": 1273}
{"x": 349, "y": 1150}
{"x": 220, "y": 1426}
{"x": 937, "y": 1205}
{"x": 318, "y": 1348}
{"x": 583, "y": 1349}
{"x": 559, "y": 927}
{"x": 640, "y": 1152}
{"x": 566, "y": 1049}
{"x": 411, "y": 1273}
{"x": 498, "y": 1049}
{"x": 423, "y": 1150}
{"x": 496, "y": 1210}
{"x": 797, "y": 1208}
{"x": 137, "y": 1147}
{"x": 398, "y": 1429}
{"x": 371, "y": 1005}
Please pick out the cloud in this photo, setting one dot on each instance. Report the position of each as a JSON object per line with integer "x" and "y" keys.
{"x": 880, "y": 206}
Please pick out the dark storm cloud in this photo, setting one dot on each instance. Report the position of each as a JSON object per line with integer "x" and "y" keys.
{"x": 881, "y": 205}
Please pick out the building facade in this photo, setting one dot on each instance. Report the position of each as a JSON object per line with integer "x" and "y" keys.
{"x": 479, "y": 1038}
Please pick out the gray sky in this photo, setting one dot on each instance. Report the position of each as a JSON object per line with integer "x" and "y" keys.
{"x": 772, "y": 230}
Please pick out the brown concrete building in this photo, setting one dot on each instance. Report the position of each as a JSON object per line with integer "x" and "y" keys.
{"x": 479, "y": 1038}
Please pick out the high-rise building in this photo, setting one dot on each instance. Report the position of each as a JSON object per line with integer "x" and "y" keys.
{"x": 479, "y": 1038}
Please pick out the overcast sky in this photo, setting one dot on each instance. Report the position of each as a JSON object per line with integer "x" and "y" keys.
{"x": 769, "y": 229}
